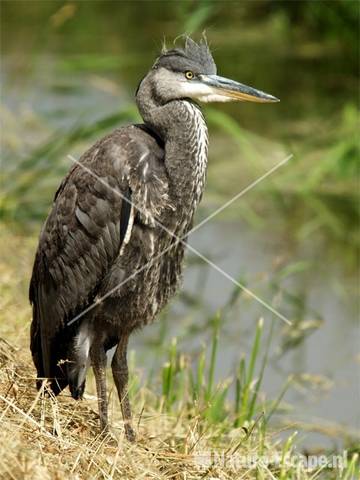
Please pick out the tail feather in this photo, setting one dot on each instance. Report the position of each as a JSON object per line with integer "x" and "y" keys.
{"x": 60, "y": 353}
{"x": 55, "y": 371}
{"x": 49, "y": 343}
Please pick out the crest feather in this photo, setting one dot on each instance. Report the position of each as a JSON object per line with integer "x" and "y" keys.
{"x": 197, "y": 53}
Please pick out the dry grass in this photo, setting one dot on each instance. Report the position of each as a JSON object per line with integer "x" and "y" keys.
{"x": 42, "y": 437}
{"x": 45, "y": 437}
{"x": 57, "y": 438}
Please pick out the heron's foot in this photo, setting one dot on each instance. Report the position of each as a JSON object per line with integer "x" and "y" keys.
{"x": 104, "y": 427}
{"x": 129, "y": 433}
{"x": 111, "y": 437}
{"x": 107, "y": 435}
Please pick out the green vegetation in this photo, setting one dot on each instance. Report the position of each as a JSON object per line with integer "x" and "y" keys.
{"x": 191, "y": 430}
{"x": 69, "y": 73}
{"x": 188, "y": 422}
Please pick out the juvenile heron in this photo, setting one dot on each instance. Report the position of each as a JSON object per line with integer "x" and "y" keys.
{"x": 99, "y": 272}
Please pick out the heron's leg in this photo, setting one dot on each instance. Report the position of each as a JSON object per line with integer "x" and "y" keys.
{"x": 98, "y": 359}
{"x": 121, "y": 374}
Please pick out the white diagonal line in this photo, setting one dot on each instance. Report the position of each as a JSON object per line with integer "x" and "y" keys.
{"x": 205, "y": 259}
{"x": 240, "y": 194}
{"x": 159, "y": 224}
{"x": 127, "y": 279}
{"x": 181, "y": 240}
{"x": 238, "y": 284}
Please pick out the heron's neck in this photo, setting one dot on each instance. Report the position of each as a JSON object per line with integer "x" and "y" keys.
{"x": 182, "y": 127}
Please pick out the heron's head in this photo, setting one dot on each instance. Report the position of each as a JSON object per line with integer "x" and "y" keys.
{"x": 190, "y": 72}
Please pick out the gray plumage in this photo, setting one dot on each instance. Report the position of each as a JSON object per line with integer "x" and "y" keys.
{"x": 105, "y": 225}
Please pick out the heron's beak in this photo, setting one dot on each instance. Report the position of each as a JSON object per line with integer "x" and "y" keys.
{"x": 228, "y": 90}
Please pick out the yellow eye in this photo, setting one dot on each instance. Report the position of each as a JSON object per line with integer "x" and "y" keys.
{"x": 189, "y": 75}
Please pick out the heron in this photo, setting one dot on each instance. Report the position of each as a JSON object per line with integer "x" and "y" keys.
{"x": 111, "y": 251}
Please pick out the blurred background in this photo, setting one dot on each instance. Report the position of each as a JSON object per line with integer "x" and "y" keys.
{"x": 69, "y": 73}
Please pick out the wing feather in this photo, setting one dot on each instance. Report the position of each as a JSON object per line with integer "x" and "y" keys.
{"x": 83, "y": 235}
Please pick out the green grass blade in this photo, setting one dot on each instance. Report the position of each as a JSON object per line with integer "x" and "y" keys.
{"x": 214, "y": 346}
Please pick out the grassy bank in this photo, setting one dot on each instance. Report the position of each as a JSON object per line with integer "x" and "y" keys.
{"x": 45, "y": 437}
{"x": 187, "y": 424}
